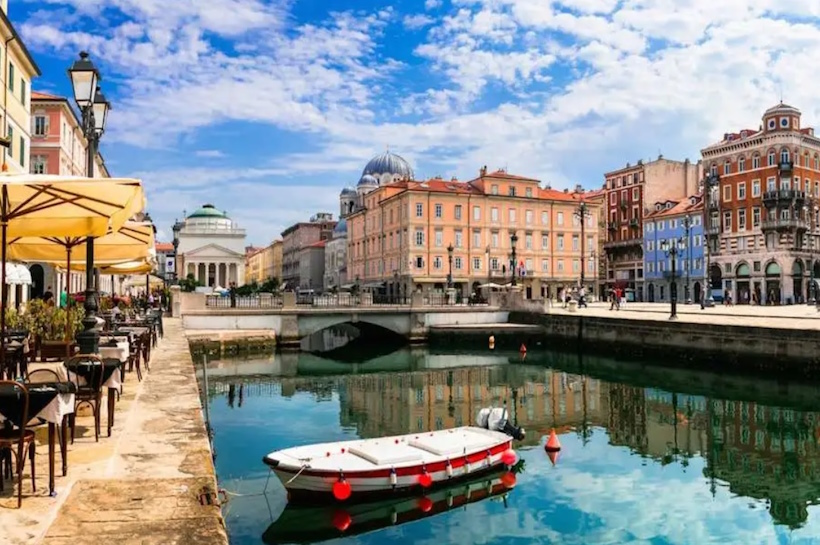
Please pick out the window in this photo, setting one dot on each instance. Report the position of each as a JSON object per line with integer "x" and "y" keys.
{"x": 494, "y": 190}
{"x": 528, "y": 241}
{"x": 590, "y": 244}
{"x": 727, "y": 221}
{"x": 545, "y": 218}
{"x": 755, "y": 188}
{"x": 741, "y": 164}
{"x": 575, "y": 243}
{"x": 476, "y": 213}
{"x": 39, "y": 164}
{"x": 494, "y": 239}
{"x": 11, "y": 141}
{"x": 459, "y": 242}
{"x": 419, "y": 237}
{"x": 771, "y": 159}
{"x": 528, "y": 217}
{"x": 741, "y": 191}
{"x": 11, "y": 78}
{"x": 494, "y": 263}
{"x": 512, "y": 215}
{"x": 741, "y": 219}
{"x": 494, "y": 214}
{"x": 40, "y": 125}
{"x": 528, "y": 192}
{"x": 511, "y": 191}
{"x": 576, "y": 221}
{"x": 636, "y": 194}
{"x": 419, "y": 210}
{"x": 528, "y": 265}
{"x": 439, "y": 211}
{"x": 457, "y": 212}
{"x": 576, "y": 266}
{"x": 784, "y": 156}
{"x": 439, "y": 238}
{"x": 771, "y": 184}
{"x": 756, "y": 161}
{"x": 457, "y": 262}
{"x": 545, "y": 242}
{"x": 727, "y": 168}
{"x": 477, "y": 238}
{"x": 613, "y": 198}
{"x": 784, "y": 122}
{"x": 756, "y": 216}
{"x": 673, "y": 224}
{"x": 545, "y": 265}
{"x": 560, "y": 242}
{"x": 476, "y": 263}
{"x": 560, "y": 218}
{"x": 419, "y": 262}
{"x": 437, "y": 262}
{"x": 727, "y": 193}
{"x": 22, "y": 152}
{"x": 561, "y": 265}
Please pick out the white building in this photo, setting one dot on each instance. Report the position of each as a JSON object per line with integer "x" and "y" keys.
{"x": 211, "y": 248}
{"x": 336, "y": 258}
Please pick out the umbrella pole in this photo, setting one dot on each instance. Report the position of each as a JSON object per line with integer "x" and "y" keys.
{"x": 67, "y": 292}
{"x": 3, "y": 295}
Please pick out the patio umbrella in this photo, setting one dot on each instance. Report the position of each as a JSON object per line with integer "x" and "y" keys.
{"x": 37, "y": 205}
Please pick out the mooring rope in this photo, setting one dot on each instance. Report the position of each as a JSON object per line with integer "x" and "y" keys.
{"x": 304, "y": 466}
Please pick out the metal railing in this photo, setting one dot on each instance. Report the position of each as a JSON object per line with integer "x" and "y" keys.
{"x": 246, "y": 301}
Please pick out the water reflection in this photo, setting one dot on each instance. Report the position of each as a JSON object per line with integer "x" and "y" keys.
{"x": 352, "y": 342}
{"x": 723, "y": 459}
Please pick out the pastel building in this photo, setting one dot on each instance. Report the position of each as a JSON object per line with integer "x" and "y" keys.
{"x": 672, "y": 221}
{"x": 211, "y": 248}
{"x": 398, "y": 239}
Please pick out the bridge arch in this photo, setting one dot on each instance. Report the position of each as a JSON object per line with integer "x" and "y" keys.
{"x": 399, "y": 323}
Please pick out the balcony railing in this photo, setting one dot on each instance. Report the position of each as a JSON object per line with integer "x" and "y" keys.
{"x": 633, "y": 223}
{"x": 623, "y": 243}
{"x": 784, "y": 225}
{"x": 785, "y": 166}
{"x": 785, "y": 196}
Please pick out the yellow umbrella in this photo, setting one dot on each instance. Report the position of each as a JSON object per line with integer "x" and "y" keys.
{"x": 63, "y": 206}
{"x": 130, "y": 267}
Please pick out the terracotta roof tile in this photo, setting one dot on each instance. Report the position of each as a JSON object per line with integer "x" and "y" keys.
{"x": 39, "y": 95}
{"x": 164, "y": 247}
{"x": 320, "y": 244}
{"x": 679, "y": 208}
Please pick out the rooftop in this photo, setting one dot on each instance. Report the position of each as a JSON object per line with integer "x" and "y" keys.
{"x": 678, "y": 208}
{"x": 164, "y": 247}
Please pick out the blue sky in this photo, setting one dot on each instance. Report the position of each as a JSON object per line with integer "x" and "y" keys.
{"x": 267, "y": 108}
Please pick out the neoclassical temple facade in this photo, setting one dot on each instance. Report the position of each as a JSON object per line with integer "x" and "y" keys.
{"x": 211, "y": 248}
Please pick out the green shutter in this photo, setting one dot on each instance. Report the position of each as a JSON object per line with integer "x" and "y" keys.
{"x": 23, "y": 91}
{"x": 22, "y": 152}
{"x": 11, "y": 142}
{"x": 11, "y": 77}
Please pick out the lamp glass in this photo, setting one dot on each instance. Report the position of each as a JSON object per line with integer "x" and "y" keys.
{"x": 84, "y": 79}
{"x": 101, "y": 107}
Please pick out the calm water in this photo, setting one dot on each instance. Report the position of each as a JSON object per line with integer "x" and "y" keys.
{"x": 650, "y": 455}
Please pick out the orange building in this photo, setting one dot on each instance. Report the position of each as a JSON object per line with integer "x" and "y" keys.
{"x": 410, "y": 235}
{"x": 762, "y": 209}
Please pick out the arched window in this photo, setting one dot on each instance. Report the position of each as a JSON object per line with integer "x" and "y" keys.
{"x": 756, "y": 161}
{"x": 713, "y": 169}
{"x": 727, "y": 167}
{"x": 784, "y": 155}
{"x": 772, "y": 160}
{"x": 816, "y": 162}
{"x": 741, "y": 164}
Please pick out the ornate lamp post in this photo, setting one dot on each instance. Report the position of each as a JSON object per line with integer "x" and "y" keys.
{"x": 812, "y": 292}
{"x": 687, "y": 229}
{"x": 582, "y": 212}
{"x": 94, "y": 113}
{"x": 671, "y": 250}
{"x": 711, "y": 182}
{"x": 513, "y": 260}
{"x": 450, "y": 269}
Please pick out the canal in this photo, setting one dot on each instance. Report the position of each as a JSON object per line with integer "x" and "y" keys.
{"x": 650, "y": 455}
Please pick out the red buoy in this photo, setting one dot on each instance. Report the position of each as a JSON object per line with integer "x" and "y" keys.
{"x": 523, "y": 349}
{"x": 341, "y": 490}
{"x": 509, "y": 457}
{"x": 425, "y": 504}
{"x": 553, "y": 456}
{"x": 341, "y": 520}
{"x": 508, "y": 479}
{"x": 425, "y": 480}
{"x": 553, "y": 444}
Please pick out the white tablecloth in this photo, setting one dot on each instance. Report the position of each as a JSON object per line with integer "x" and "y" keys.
{"x": 115, "y": 381}
{"x": 119, "y": 352}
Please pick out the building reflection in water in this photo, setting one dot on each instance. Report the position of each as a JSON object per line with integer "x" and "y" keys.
{"x": 762, "y": 452}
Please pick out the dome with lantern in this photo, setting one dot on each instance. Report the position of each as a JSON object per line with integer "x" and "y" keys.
{"x": 208, "y": 217}
{"x": 387, "y": 167}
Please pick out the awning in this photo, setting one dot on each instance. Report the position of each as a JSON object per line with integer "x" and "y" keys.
{"x": 17, "y": 274}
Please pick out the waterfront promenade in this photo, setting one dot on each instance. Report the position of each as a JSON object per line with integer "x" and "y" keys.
{"x": 139, "y": 486}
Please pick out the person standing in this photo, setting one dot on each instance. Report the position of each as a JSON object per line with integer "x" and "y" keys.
{"x": 64, "y": 298}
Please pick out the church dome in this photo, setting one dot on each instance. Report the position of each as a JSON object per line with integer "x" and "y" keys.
{"x": 367, "y": 179}
{"x": 209, "y": 217}
{"x": 341, "y": 229}
{"x": 388, "y": 163}
{"x": 347, "y": 191}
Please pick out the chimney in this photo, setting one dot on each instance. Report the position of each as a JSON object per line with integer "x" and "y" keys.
{"x": 726, "y": 136}
{"x": 578, "y": 188}
{"x": 482, "y": 171}
{"x": 566, "y": 190}
{"x": 453, "y": 179}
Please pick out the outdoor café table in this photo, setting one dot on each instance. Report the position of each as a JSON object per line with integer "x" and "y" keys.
{"x": 88, "y": 372}
{"x": 115, "y": 348}
{"x": 51, "y": 401}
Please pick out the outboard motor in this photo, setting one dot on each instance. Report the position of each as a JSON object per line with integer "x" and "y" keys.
{"x": 496, "y": 419}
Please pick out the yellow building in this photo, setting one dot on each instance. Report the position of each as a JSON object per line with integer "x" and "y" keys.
{"x": 399, "y": 239}
{"x": 18, "y": 69}
{"x": 262, "y": 264}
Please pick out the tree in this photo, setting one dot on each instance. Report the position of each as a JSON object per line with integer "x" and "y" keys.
{"x": 189, "y": 283}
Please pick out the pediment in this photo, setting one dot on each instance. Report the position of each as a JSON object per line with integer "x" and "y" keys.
{"x": 212, "y": 250}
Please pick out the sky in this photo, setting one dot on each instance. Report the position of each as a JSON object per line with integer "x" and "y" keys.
{"x": 267, "y": 108}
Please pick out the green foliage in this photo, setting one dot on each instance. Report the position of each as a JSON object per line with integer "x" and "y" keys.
{"x": 49, "y": 322}
{"x": 271, "y": 285}
{"x": 189, "y": 283}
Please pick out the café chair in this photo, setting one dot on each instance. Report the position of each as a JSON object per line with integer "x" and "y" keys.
{"x": 88, "y": 392}
{"x": 19, "y": 441}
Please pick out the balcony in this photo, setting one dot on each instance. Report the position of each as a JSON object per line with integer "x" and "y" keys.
{"x": 714, "y": 204}
{"x": 623, "y": 243}
{"x": 785, "y": 167}
{"x": 784, "y": 225}
{"x": 633, "y": 223}
{"x": 712, "y": 230}
{"x": 783, "y": 197}
{"x": 612, "y": 226}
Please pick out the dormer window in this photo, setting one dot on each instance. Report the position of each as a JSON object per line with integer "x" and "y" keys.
{"x": 668, "y": 205}
{"x": 658, "y": 207}
{"x": 784, "y": 122}
{"x": 772, "y": 124}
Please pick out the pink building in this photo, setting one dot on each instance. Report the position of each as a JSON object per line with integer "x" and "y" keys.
{"x": 57, "y": 143}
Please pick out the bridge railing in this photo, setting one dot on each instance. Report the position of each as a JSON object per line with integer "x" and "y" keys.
{"x": 350, "y": 300}
{"x": 245, "y": 301}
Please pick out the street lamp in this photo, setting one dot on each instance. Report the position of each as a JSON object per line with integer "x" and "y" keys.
{"x": 94, "y": 113}
{"x": 513, "y": 260}
{"x": 450, "y": 270}
{"x": 687, "y": 229}
{"x": 582, "y": 212}
{"x": 671, "y": 250}
{"x": 711, "y": 182}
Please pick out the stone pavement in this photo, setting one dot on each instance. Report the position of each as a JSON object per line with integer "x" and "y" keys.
{"x": 139, "y": 486}
{"x": 776, "y": 317}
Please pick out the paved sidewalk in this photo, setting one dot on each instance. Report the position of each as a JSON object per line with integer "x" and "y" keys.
{"x": 141, "y": 485}
{"x": 781, "y": 317}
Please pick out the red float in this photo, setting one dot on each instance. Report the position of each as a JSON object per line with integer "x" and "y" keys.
{"x": 425, "y": 480}
{"x": 553, "y": 444}
{"x": 553, "y": 456}
{"x": 341, "y": 490}
{"x": 425, "y": 504}
{"x": 341, "y": 520}
{"x": 509, "y": 457}
{"x": 508, "y": 479}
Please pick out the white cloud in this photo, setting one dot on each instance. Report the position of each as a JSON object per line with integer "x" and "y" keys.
{"x": 432, "y": 4}
{"x": 209, "y": 153}
{"x": 415, "y": 22}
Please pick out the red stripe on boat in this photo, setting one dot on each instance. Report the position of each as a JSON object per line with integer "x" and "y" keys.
{"x": 433, "y": 467}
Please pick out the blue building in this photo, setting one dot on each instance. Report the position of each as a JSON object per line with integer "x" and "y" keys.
{"x": 670, "y": 221}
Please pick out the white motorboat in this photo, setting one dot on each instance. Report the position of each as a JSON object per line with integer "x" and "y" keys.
{"x": 401, "y": 464}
